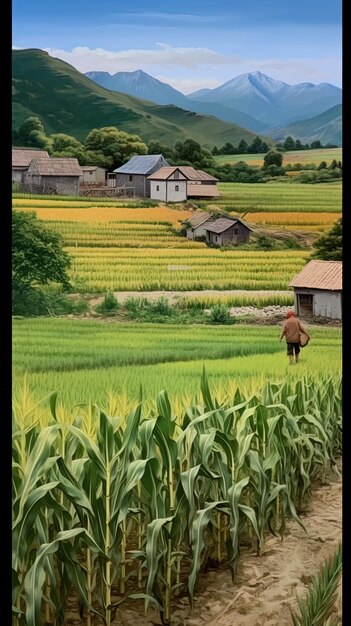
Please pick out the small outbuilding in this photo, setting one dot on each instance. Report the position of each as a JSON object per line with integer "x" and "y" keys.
{"x": 21, "y": 158}
{"x": 197, "y": 224}
{"x": 227, "y": 232}
{"x": 318, "y": 290}
{"x": 190, "y": 183}
{"x": 59, "y": 175}
{"x": 135, "y": 172}
{"x": 93, "y": 175}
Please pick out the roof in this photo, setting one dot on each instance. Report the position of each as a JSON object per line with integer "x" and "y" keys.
{"x": 192, "y": 174}
{"x": 188, "y": 171}
{"x": 92, "y": 168}
{"x": 163, "y": 173}
{"x": 198, "y": 218}
{"x": 21, "y": 157}
{"x": 139, "y": 164}
{"x": 223, "y": 223}
{"x": 325, "y": 275}
{"x": 58, "y": 166}
{"x": 202, "y": 190}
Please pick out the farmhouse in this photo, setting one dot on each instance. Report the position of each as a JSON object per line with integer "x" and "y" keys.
{"x": 318, "y": 290}
{"x": 225, "y": 231}
{"x": 135, "y": 172}
{"x": 92, "y": 174}
{"x": 198, "y": 222}
{"x": 21, "y": 158}
{"x": 178, "y": 183}
{"x": 59, "y": 175}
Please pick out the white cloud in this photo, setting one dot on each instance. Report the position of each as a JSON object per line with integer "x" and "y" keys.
{"x": 86, "y": 59}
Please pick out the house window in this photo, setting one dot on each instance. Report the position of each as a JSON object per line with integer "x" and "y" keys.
{"x": 176, "y": 188}
{"x": 130, "y": 177}
{"x": 157, "y": 187}
{"x": 216, "y": 238}
{"x": 236, "y": 231}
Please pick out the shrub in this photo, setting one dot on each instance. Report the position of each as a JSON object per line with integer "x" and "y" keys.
{"x": 108, "y": 305}
{"x": 220, "y": 314}
{"x": 161, "y": 306}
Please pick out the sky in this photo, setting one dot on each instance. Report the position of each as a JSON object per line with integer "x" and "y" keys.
{"x": 189, "y": 44}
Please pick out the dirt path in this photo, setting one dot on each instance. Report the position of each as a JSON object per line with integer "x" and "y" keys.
{"x": 265, "y": 586}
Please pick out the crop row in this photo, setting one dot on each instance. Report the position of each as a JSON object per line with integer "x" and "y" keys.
{"x": 112, "y": 507}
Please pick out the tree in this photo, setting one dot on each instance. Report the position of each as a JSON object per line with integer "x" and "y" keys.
{"x": 322, "y": 165}
{"x": 328, "y": 247}
{"x": 37, "y": 254}
{"x": 115, "y": 144}
{"x": 289, "y": 143}
{"x": 333, "y": 165}
{"x": 31, "y": 133}
{"x": 273, "y": 157}
{"x": 191, "y": 151}
{"x": 155, "y": 147}
{"x": 298, "y": 145}
{"x": 61, "y": 141}
{"x": 256, "y": 145}
{"x": 316, "y": 145}
{"x": 242, "y": 147}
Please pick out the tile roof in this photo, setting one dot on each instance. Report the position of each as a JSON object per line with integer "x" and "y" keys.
{"x": 202, "y": 190}
{"x": 223, "y": 223}
{"x": 58, "y": 166}
{"x": 21, "y": 157}
{"x": 325, "y": 275}
{"x": 199, "y": 217}
{"x": 139, "y": 164}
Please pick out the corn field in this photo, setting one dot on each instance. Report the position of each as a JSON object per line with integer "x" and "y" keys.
{"x": 128, "y": 507}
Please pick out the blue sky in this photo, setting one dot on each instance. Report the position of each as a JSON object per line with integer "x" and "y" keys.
{"x": 190, "y": 44}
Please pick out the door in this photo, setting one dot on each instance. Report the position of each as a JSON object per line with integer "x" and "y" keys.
{"x": 305, "y": 304}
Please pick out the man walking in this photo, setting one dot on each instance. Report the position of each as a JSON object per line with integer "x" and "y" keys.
{"x": 291, "y": 330}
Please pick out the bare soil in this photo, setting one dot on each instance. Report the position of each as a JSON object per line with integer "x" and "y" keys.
{"x": 266, "y": 587}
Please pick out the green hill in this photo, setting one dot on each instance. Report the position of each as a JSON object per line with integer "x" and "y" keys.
{"x": 67, "y": 101}
{"x": 327, "y": 127}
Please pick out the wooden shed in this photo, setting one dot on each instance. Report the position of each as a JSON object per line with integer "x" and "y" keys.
{"x": 198, "y": 222}
{"x": 93, "y": 175}
{"x": 227, "y": 232}
{"x": 318, "y": 290}
{"x": 135, "y": 172}
{"x": 59, "y": 175}
{"x": 21, "y": 158}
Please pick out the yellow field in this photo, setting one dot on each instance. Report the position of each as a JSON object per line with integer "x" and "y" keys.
{"x": 290, "y": 219}
{"x": 105, "y": 214}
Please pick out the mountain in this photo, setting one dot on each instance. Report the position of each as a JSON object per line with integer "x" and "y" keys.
{"x": 327, "y": 127}
{"x": 67, "y": 101}
{"x": 272, "y": 101}
{"x": 142, "y": 85}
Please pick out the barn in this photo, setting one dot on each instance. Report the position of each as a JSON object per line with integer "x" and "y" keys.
{"x": 227, "y": 232}
{"x": 197, "y": 224}
{"x": 318, "y": 290}
{"x": 21, "y": 158}
{"x": 135, "y": 172}
{"x": 59, "y": 175}
{"x": 200, "y": 184}
{"x": 93, "y": 175}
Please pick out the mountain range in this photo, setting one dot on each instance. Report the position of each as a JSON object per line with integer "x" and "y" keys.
{"x": 327, "y": 127}
{"x": 253, "y": 100}
{"x": 68, "y": 102}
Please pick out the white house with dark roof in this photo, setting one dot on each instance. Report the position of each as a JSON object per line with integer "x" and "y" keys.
{"x": 197, "y": 224}
{"x": 21, "y": 158}
{"x": 227, "y": 232}
{"x": 178, "y": 183}
{"x": 135, "y": 172}
{"x": 318, "y": 290}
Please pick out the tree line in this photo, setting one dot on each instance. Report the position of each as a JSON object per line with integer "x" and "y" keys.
{"x": 110, "y": 147}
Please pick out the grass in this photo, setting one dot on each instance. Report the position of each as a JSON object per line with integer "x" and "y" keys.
{"x": 88, "y": 360}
